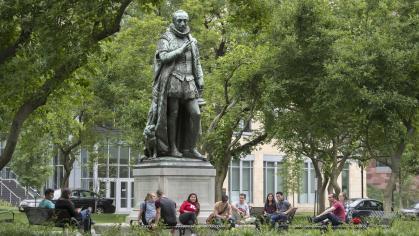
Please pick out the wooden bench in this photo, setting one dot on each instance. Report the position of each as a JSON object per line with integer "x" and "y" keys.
{"x": 50, "y": 217}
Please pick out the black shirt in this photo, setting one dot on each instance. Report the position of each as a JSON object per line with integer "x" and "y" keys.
{"x": 63, "y": 203}
{"x": 167, "y": 210}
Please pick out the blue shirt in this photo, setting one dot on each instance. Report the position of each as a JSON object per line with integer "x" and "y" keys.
{"x": 45, "y": 203}
{"x": 283, "y": 206}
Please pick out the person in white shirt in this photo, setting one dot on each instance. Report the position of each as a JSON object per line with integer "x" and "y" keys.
{"x": 242, "y": 211}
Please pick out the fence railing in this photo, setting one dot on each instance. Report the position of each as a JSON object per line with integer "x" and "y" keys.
{"x": 7, "y": 194}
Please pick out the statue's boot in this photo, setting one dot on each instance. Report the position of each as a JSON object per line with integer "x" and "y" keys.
{"x": 195, "y": 154}
{"x": 175, "y": 153}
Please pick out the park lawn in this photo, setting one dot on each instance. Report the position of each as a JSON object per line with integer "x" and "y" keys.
{"x": 21, "y": 227}
{"x": 20, "y": 217}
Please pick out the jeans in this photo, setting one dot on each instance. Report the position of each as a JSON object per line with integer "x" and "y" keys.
{"x": 330, "y": 216}
{"x": 85, "y": 219}
{"x": 188, "y": 218}
{"x": 278, "y": 217}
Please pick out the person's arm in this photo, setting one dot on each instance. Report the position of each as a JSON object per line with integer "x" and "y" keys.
{"x": 182, "y": 208}
{"x": 327, "y": 211}
{"x": 166, "y": 56}
{"x": 247, "y": 212}
{"x": 73, "y": 211}
{"x": 158, "y": 214}
{"x": 234, "y": 208}
{"x": 230, "y": 212}
{"x": 289, "y": 209}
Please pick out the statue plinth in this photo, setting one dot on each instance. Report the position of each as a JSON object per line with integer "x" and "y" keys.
{"x": 177, "y": 178}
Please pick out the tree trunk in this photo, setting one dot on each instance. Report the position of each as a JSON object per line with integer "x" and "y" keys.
{"x": 68, "y": 162}
{"x": 322, "y": 181}
{"x": 219, "y": 180}
{"x": 395, "y": 168}
{"x": 21, "y": 115}
{"x": 221, "y": 173}
{"x": 336, "y": 171}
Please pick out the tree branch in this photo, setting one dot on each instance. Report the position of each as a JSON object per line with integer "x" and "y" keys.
{"x": 249, "y": 144}
{"x": 116, "y": 24}
{"x": 220, "y": 115}
{"x": 10, "y": 51}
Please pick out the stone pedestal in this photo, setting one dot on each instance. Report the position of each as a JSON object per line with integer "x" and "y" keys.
{"x": 177, "y": 178}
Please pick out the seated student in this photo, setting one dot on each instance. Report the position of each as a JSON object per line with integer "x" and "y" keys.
{"x": 189, "y": 210}
{"x": 46, "y": 202}
{"x": 336, "y": 213}
{"x": 269, "y": 208}
{"x": 242, "y": 211}
{"x": 283, "y": 207}
{"x": 222, "y": 212}
{"x": 165, "y": 210}
{"x": 147, "y": 214}
{"x": 65, "y": 203}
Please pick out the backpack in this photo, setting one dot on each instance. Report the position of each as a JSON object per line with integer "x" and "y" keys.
{"x": 144, "y": 208}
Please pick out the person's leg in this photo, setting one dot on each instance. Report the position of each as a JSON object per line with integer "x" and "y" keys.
{"x": 85, "y": 218}
{"x": 274, "y": 219}
{"x": 172, "y": 115}
{"x": 320, "y": 218}
{"x": 194, "y": 127}
{"x": 334, "y": 219}
{"x": 282, "y": 217}
{"x": 187, "y": 218}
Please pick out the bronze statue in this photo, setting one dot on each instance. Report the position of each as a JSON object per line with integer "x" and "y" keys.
{"x": 174, "y": 119}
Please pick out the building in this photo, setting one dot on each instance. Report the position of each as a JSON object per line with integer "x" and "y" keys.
{"x": 258, "y": 174}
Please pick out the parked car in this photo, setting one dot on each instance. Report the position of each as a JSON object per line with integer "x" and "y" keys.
{"x": 362, "y": 207}
{"x": 81, "y": 198}
{"x": 411, "y": 212}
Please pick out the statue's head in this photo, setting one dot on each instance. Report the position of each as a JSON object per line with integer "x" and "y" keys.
{"x": 180, "y": 20}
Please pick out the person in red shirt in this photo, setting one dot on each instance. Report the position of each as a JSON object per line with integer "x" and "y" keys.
{"x": 336, "y": 213}
{"x": 189, "y": 210}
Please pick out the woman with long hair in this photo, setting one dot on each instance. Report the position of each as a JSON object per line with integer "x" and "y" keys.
{"x": 269, "y": 207}
{"x": 189, "y": 210}
{"x": 147, "y": 214}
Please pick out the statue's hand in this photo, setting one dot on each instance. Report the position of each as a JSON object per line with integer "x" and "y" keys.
{"x": 185, "y": 47}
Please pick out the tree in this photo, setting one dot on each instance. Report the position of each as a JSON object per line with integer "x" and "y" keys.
{"x": 310, "y": 117}
{"x": 377, "y": 60}
{"x": 43, "y": 44}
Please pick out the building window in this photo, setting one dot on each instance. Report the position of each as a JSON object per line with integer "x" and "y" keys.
{"x": 272, "y": 178}
{"x": 241, "y": 179}
{"x": 345, "y": 179}
{"x": 306, "y": 194}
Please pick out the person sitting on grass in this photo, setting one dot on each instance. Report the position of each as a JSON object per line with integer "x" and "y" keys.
{"x": 335, "y": 214}
{"x": 46, "y": 202}
{"x": 165, "y": 210}
{"x": 242, "y": 211}
{"x": 222, "y": 213}
{"x": 147, "y": 214}
{"x": 189, "y": 210}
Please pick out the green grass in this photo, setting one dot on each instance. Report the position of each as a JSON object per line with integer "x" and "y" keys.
{"x": 109, "y": 218}
{"x": 21, "y": 227}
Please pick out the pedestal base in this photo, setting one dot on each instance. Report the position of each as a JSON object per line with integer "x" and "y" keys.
{"x": 177, "y": 178}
